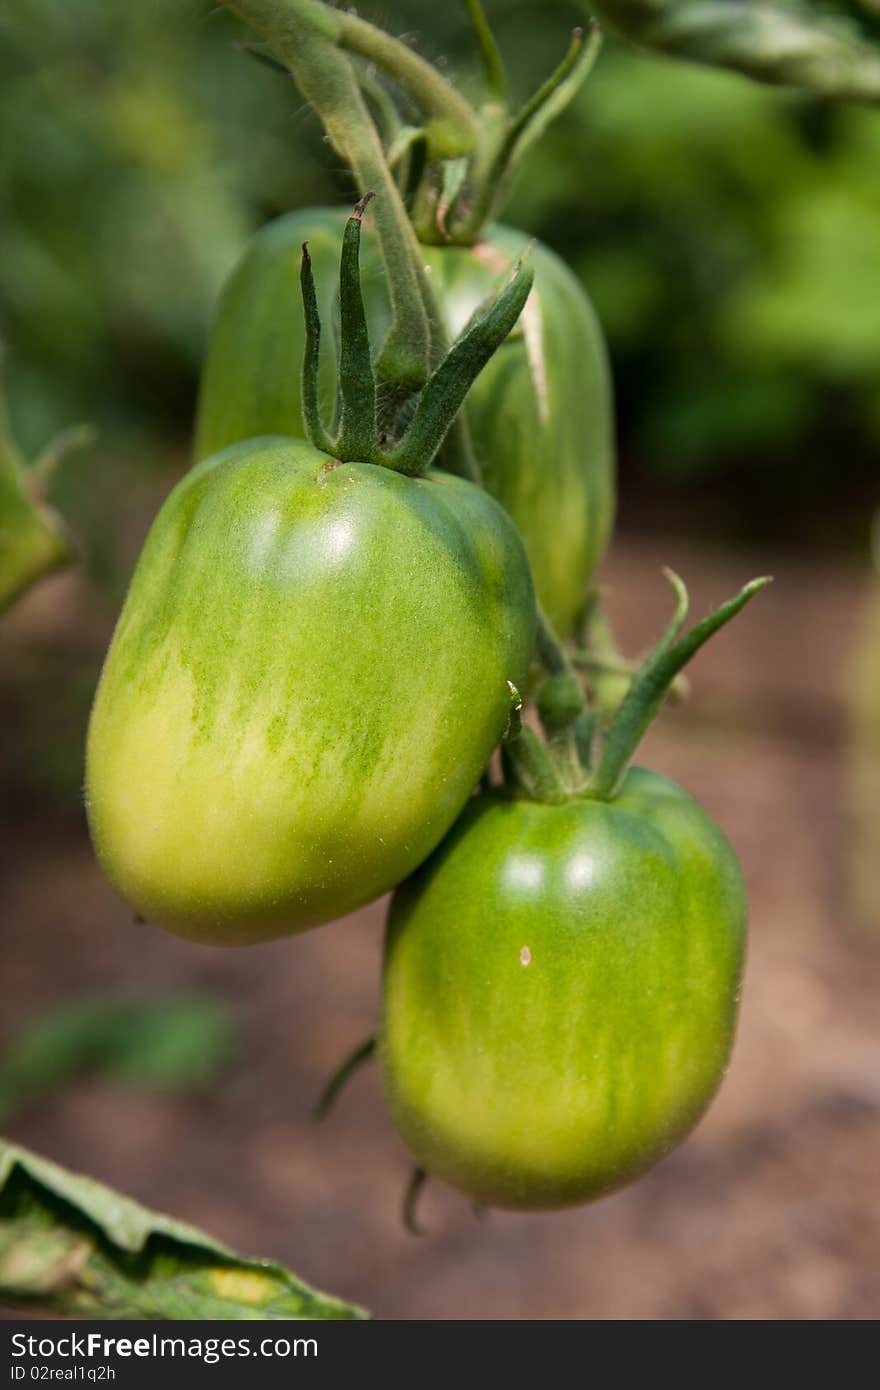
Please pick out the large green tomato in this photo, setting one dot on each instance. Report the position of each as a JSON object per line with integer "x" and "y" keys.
{"x": 307, "y": 679}
{"x": 540, "y": 412}
{"x": 560, "y": 991}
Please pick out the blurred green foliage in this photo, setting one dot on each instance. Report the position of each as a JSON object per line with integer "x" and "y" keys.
{"x": 167, "y": 1044}
{"x": 138, "y": 158}
{"x": 730, "y": 237}
{"x": 729, "y": 234}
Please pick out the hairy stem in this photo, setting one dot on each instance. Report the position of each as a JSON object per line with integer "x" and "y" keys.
{"x": 303, "y": 34}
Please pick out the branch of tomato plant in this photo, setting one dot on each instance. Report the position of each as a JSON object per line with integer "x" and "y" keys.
{"x": 497, "y": 157}
{"x": 762, "y": 41}
{"x": 303, "y": 35}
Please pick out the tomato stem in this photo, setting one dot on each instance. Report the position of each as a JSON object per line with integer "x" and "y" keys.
{"x": 352, "y": 1063}
{"x": 562, "y": 707}
{"x": 529, "y": 768}
{"x": 307, "y": 37}
{"x": 653, "y": 679}
{"x": 412, "y": 1193}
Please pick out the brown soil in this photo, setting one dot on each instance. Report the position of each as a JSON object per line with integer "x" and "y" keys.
{"x": 770, "y": 1210}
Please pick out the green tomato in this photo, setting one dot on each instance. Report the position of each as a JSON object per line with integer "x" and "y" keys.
{"x": 307, "y": 679}
{"x": 540, "y": 413}
{"x": 560, "y": 992}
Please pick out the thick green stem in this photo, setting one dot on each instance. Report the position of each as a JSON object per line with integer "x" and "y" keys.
{"x": 453, "y": 125}
{"x": 529, "y": 768}
{"x": 562, "y": 709}
{"x": 653, "y": 680}
{"x": 453, "y": 128}
{"x": 304, "y": 35}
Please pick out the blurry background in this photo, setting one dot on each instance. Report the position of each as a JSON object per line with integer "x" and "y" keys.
{"x": 730, "y": 239}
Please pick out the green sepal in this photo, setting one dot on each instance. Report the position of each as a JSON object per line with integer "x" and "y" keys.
{"x": 653, "y": 679}
{"x": 311, "y": 405}
{"x": 357, "y": 382}
{"x": 440, "y": 401}
{"x": 449, "y": 384}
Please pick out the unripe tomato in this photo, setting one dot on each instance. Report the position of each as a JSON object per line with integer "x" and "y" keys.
{"x": 560, "y": 991}
{"x": 309, "y": 674}
{"x": 540, "y": 413}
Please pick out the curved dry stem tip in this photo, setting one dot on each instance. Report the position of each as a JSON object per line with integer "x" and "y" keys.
{"x": 355, "y": 1059}
{"x": 56, "y": 451}
{"x": 362, "y": 205}
{"x": 413, "y": 1192}
{"x": 682, "y": 604}
{"x": 514, "y": 714}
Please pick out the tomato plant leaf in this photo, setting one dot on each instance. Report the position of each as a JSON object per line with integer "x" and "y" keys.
{"x": 794, "y": 47}
{"x": 70, "y": 1245}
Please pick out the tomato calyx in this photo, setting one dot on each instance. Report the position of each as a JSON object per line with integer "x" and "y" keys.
{"x": 364, "y": 432}
{"x": 457, "y": 200}
{"x": 564, "y": 764}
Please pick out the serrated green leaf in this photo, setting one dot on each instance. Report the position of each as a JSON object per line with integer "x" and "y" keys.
{"x": 71, "y": 1245}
